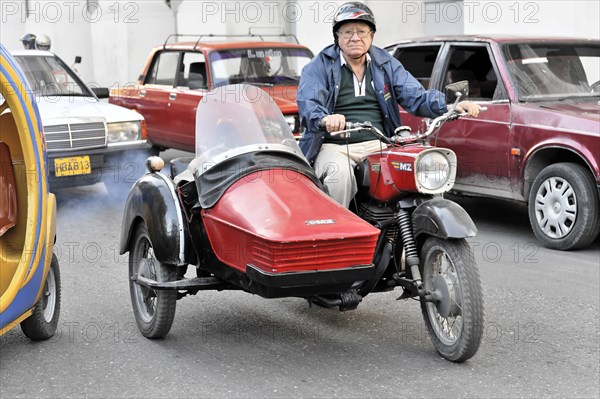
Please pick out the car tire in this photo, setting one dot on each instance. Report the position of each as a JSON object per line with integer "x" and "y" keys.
{"x": 563, "y": 207}
{"x": 43, "y": 321}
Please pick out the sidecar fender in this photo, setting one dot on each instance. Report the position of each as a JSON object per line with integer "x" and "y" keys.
{"x": 442, "y": 218}
{"x": 153, "y": 200}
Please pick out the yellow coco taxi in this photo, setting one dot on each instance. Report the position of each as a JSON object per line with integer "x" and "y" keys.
{"x": 29, "y": 272}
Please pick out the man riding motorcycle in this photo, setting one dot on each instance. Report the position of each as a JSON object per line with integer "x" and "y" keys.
{"x": 354, "y": 81}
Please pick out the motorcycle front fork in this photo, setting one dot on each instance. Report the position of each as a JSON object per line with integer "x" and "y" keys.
{"x": 412, "y": 287}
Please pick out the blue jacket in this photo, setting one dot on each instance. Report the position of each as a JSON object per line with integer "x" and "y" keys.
{"x": 319, "y": 88}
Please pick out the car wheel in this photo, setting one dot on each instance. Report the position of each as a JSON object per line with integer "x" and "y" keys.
{"x": 563, "y": 207}
{"x": 44, "y": 320}
{"x": 154, "y": 310}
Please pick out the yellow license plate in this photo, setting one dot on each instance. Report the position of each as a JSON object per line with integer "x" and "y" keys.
{"x": 72, "y": 166}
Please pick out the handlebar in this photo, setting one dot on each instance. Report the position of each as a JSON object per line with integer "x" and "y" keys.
{"x": 396, "y": 139}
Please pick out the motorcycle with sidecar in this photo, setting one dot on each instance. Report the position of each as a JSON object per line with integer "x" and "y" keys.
{"x": 29, "y": 271}
{"x": 248, "y": 213}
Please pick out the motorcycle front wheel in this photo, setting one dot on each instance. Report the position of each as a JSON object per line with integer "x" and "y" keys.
{"x": 455, "y": 319}
{"x": 154, "y": 310}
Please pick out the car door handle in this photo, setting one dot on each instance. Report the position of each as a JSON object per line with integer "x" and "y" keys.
{"x": 142, "y": 93}
{"x": 173, "y": 96}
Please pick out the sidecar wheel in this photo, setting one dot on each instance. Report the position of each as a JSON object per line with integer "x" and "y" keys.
{"x": 455, "y": 320}
{"x": 43, "y": 322}
{"x": 154, "y": 311}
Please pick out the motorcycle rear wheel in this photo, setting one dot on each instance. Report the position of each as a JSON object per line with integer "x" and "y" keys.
{"x": 154, "y": 310}
{"x": 455, "y": 320}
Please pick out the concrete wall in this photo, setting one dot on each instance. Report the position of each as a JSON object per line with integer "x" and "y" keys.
{"x": 575, "y": 18}
{"x": 114, "y": 37}
{"x": 310, "y": 21}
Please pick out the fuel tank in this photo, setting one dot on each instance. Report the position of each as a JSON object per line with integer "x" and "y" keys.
{"x": 279, "y": 221}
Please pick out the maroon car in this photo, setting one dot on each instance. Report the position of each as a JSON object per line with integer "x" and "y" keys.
{"x": 539, "y": 141}
{"x": 177, "y": 76}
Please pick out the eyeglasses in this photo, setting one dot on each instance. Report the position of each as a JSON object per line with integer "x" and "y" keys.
{"x": 347, "y": 34}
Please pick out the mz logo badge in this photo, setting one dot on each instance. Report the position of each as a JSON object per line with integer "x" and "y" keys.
{"x": 403, "y": 166}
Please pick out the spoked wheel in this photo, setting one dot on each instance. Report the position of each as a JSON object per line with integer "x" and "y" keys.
{"x": 455, "y": 319}
{"x": 154, "y": 310}
{"x": 43, "y": 322}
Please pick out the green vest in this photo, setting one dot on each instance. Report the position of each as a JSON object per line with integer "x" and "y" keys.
{"x": 356, "y": 109}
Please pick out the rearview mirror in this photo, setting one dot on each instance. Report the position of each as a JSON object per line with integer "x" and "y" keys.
{"x": 101, "y": 92}
{"x": 452, "y": 89}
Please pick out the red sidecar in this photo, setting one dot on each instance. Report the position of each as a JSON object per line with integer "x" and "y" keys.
{"x": 247, "y": 211}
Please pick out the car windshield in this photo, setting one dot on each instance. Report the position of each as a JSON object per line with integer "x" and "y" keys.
{"x": 238, "y": 119}
{"x": 542, "y": 71}
{"x": 48, "y": 76}
{"x": 268, "y": 66}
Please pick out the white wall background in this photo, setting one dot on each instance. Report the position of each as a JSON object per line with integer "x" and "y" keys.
{"x": 114, "y": 37}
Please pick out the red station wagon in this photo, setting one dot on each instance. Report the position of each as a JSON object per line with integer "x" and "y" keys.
{"x": 176, "y": 76}
{"x": 539, "y": 141}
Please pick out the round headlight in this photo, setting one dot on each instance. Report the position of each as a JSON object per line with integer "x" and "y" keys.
{"x": 433, "y": 170}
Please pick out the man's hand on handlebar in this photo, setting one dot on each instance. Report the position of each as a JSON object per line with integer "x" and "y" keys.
{"x": 469, "y": 107}
{"x": 334, "y": 123}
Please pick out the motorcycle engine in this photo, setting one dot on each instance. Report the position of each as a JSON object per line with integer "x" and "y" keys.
{"x": 373, "y": 213}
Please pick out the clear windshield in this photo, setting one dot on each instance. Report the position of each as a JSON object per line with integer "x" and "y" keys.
{"x": 48, "y": 76}
{"x": 236, "y": 119}
{"x": 543, "y": 71}
{"x": 269, "y": 66}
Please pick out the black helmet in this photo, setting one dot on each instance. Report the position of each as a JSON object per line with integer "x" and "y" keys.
{"x": 28, "y": 41}
{"x": 353, "y": 11}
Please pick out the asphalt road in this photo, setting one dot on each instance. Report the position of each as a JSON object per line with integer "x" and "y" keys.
{"x": 541, "y": 339}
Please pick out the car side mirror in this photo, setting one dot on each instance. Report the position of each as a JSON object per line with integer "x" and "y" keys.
{"x": 101, "y": 92}
{"x": 77, "y": 60}
{"x": 452, "y": 89}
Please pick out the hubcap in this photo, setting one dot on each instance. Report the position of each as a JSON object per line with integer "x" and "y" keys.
{"x": 446, "y": 289}
{"x": 49, "y": 296}
{"x": 145, "y": 297}
{"x": 446, "y": 313}
{"x": 556, "y": 207}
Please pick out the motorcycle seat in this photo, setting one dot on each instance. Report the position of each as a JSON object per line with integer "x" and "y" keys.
{"x": 179, "y": 165}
